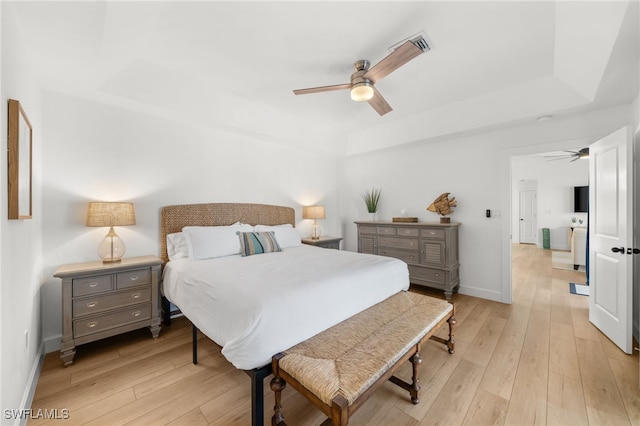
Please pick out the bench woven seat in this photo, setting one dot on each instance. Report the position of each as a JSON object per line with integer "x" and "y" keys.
{"x": 341, "y": 364}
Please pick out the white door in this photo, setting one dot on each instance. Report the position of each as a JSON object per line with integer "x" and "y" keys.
{"x": 528, "y": 224}
{"x": 610, "y": 236}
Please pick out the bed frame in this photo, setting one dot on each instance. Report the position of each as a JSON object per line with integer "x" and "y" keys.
{"x": 174, "y": 218}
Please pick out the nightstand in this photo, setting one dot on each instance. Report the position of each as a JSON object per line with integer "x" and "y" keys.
{"x": 104, "y": 299}
{"x": 324, "y": 242}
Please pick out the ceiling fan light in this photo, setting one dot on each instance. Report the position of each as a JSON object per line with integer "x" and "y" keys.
{"x": 361, "y": 92}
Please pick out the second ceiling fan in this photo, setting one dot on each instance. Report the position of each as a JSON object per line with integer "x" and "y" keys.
{"x": 363, "y": 79}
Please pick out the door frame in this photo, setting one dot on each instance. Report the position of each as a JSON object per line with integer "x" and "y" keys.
{"x": 506, "y": 195}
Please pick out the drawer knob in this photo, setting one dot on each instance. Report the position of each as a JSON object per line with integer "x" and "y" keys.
{"x": 93, "y": 284}
{"x": 134, "y": 278}
{"x": 436, "y": 274}
{"x": 92, "y": 324}
{"x": 135, "y": 314}
{"x": 135, "y": 295}
{"x": 92, "y": 304}
{"x": 432, "y": 233}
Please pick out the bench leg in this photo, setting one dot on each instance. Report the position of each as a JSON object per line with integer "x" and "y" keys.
{"x": 451, "y": 344}
{"x": 416, "y": 360}
{"x": 339, "y": 411}
{"x": 277, "y": 386}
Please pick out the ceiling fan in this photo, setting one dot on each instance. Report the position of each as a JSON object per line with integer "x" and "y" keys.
{"x": 573, "y": 155}
{"x": 363, "y": 79}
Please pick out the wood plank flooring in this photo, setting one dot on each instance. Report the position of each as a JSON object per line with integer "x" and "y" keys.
{"x": 537, "y": 361}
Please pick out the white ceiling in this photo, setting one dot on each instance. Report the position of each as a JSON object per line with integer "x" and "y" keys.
{"x": 234, "y": 64}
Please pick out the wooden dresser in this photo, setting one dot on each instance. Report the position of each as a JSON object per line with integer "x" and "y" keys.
{"x": 102, "y": 300}
{"x": 429, "y": 248}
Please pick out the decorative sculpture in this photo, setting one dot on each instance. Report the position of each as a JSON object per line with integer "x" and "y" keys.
{"x": 443, "y": 206}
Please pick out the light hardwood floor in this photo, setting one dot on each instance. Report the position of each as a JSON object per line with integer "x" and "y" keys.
{"x": 537, "y": 361}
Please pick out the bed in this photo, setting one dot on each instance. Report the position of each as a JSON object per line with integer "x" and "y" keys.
{"x": 256, "y": 306}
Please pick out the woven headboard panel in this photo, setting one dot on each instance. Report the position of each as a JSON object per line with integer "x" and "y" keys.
{"x": 174, "y": 218}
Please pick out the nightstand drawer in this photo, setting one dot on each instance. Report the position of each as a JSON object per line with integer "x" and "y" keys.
{"x": 407, "y": 256}
{"x": 98, "y": 304}
{"x": 92, "y": 285}
{"x": 104, "y": 322}
{"x": 133, "y": 278}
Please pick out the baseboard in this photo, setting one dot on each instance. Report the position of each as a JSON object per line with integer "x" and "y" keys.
{"x": 52, "y": 344}
{"x": 483, "y": 293}
{"x": 30, "y": 389}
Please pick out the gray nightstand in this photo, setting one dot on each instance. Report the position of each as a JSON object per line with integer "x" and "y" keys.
{"x": 104, "y": 299}
{"x": 324, "y": 242}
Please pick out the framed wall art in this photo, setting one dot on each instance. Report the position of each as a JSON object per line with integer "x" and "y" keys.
{"x": 19, "y": 162}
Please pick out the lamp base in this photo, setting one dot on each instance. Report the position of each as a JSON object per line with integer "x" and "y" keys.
{"x": 111, "y": 260}
{"x": 111, "y": 249}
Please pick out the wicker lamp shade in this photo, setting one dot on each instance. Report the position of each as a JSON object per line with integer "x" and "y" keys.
{"x": 99, "y": 214}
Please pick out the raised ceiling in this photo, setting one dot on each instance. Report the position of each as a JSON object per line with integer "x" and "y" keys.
{"x": 233, "y": 65}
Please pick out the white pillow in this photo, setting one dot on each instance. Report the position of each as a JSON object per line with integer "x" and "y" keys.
{"x": 177, "y": 247}
{"x": 206, "y": 242}
{"x": 286, "y": 235}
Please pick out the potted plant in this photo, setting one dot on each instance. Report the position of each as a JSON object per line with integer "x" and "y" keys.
{"x": 371, "y": 199}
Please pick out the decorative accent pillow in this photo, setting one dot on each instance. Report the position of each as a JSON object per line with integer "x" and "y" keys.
{"x": 257, "y": 243}
{"x": 286, "y": 235}
{"x": 206, "y": 242}
{"x": 177, "y": 247}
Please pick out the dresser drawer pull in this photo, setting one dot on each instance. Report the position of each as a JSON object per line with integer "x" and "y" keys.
{"x": 135, "y": 314}
{"x": 436, "y": 274}
{"x": 384, "y": 253}
{"x": 92, "y": 324}
{"x": 134, "y": 278}
{"x": 92, "y": 304}
{"x": 136, "y": 295}
{"x": 432, "y": 232}
{"x": 94, "y": 284}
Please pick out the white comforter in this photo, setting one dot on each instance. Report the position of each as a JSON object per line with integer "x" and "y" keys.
{"x": 257, "y": 306}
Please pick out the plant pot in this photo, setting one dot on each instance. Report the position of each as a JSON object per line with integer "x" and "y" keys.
{"x": 372, "y": 216}
{"x": 445, "y": 219}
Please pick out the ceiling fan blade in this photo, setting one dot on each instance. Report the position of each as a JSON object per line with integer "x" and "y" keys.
{"x": 323, "y": 89}
{"x": 577, "y": 158}
{"x": 393, "y": 61}
{"x": 379, "y": 103}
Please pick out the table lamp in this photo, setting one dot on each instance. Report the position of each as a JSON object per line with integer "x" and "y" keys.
{"x": 111, "y": 249}
{"x": 315, "y": 213}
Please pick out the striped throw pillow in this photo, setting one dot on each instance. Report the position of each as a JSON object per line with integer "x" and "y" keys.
{"x": 257, "y": 243}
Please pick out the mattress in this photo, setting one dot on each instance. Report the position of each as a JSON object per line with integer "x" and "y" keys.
{"x": 257, "y": 306}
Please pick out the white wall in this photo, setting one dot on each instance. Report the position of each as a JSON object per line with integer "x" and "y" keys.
{"x": 104, "y": 153}
{"x": 21, "y": 247}
{"x": 476, "y": 169}
{"x": 555, "y": 182}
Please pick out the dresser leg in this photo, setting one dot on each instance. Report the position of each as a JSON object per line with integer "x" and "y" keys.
{"x": 155, "y": 329}
{"x": 67, "y": 355}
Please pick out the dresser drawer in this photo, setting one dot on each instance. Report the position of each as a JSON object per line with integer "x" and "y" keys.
{"x": 106, "y": 302}
{"x": 103, "y": 322}
{"x": 408, "y": 232}
{"x": 385, "y": 230}
{"x": 402, "y": 243}
{"x": 432, "y": 233}
{"x": 407, "y": 256}
{"x": 92, "y": 285}
{"x": 133, "y": 278}
{"x": 428, "y": 274}
{"x": 368, "y": 229}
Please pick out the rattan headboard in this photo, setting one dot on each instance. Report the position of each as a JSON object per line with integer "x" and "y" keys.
{"x": 174, "y": 218}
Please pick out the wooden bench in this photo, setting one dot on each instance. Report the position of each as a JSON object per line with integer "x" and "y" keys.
{"x": 338, "y": 369}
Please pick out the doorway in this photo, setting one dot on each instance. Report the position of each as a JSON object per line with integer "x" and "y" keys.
{"x": 527, "y": 214}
